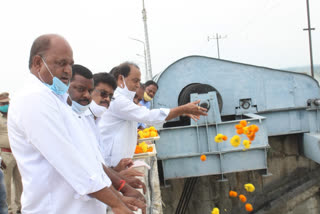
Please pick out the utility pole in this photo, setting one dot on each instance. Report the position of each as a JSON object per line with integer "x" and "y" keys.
{"x": 144, "y": 17}
{"x": 217, "y": 37}
{"x": 310, "y": 42}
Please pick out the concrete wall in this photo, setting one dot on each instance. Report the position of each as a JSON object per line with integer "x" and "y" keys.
{"x": 293, "y": 187}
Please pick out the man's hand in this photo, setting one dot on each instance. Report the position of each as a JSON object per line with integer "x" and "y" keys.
{"x": 131, "y": 192}
{"x": 128, "y": 173}
{"x": 3, "y": 165}
{"x": 121, "y": 210}
{"x": 195, "y": 110}
{"x": 193, "y": 117}
{"x": 136, "y": 183}
{"x": 123, "y": 164}
{"x": 190, "y": 109}
{"x": 133, "y": 203}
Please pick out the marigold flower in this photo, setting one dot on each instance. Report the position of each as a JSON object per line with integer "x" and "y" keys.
{"x": 250, "y": 133}
{"x": 152, "y": 128}
{"x": 239, "y": 126}
{"x": 146, "y": 135}
{"x": 235, "y": 141}
{"x": 249, "y": 207}
{"x": 243, "y": 123}
{"x": 150, "y": 149}
{"x": 254, "y": 128}
{"x": 203, "y": 158}
{"x": 143, "y": 146}
{"x": 224, "y": 138}
{"x": 246, "y": 144}
{"x": 245, "y": 130}
{"x": 138, "y": 150}
{"x": 233, "y": 194}
{"x": 251, "y": 138}
{"x": 140, "y": 133}
{"x": 218, "y": 138}
{"x": 239, "y": 131}
{"x": 153, "y": 134}
{"x": 215, "y": 211}
{"x": 249, "y": 187}
{"x": 146, "y": 130}
{"x": 243, "y": 198}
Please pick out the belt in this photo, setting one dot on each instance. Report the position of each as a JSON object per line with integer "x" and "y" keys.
{"x": 5, "y": 150}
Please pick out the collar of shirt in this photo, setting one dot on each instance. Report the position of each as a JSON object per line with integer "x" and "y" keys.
{"x": 125, "y": 92}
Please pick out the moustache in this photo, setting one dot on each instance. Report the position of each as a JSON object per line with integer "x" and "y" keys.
{"x": 84, "y": 101}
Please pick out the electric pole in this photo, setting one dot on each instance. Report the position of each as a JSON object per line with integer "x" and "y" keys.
{"x": 144, "y": 17}
{"x": 217, "y": 37}
{"x": 310, "y": 41}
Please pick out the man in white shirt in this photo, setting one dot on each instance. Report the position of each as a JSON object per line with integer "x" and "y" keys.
{"x": 80, "y": 90}
{"x": 61, "y": 173}
{"x": 104, "y": 86}
{"x": 123, "y": 116}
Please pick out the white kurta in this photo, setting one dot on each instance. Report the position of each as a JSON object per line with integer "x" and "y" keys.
{"x": 118, "y": 126}
{"x": 58, "y": 165}
{"x": 93, "y": 127}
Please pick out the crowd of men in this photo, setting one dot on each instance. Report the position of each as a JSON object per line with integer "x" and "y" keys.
{"x": 73, "y": 134}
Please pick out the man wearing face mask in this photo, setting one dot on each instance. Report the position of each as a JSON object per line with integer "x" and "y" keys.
{"x": 123, "y": 115}
{"x": 150, "y": 92}
{"x": 102, "y": 94}
{"x": 9, "y": 164}
{"x": 80, "y": 90}
{"x": 61, "y": 172}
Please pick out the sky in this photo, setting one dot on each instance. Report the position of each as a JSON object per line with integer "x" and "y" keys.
{"x": 260, "y": 32}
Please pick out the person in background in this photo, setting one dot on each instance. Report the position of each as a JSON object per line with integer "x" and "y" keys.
{"x": 113, "y": 70}
{"x": 118, "y": 125}
{"x": 61, "y": 172}
{"x": 151, "y": 90}
{"x": 4, "y": 105}
{"x": 3, "y": 201}
{"x": 139, "y": 94}
{"x": 102, "y": 94}
{"x": 9, "y": 164}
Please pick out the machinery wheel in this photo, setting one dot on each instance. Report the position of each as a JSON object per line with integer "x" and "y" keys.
{"x": 184, "y": 96}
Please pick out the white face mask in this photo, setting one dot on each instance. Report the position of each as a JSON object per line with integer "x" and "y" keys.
{"x": 78, "y": 108}
{"x": 125, "y": 91}
{"x": 96, "y": 109}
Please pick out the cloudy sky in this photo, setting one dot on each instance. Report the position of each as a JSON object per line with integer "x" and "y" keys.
{"x": 260, "y": 32}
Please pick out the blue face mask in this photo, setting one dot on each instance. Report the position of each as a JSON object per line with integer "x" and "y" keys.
{"x": 4, "y": 108}
{"x": 58, "y": 87}
{"x": 79, "y": 109}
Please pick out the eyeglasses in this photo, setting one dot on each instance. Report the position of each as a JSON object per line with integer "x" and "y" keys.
{"x": 105, "y": 94}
